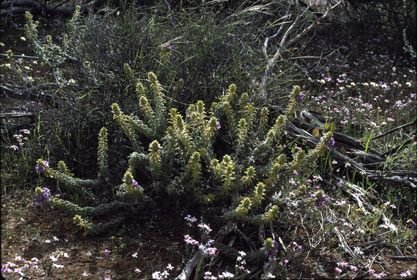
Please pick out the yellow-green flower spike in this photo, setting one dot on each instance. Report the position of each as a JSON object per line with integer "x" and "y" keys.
{"x": 155, "y": 159}
{"x": 128, "y": 71}
{"x": 271, "y": 214}
{"x": 249, "y": 176}
{"x": 259, "y": 194}
{"x": 140, "y": 89}
{"x": 116, "y": 110}
{"x": 9, "y": 54}
{"x": 200, "y": 107}
{"x": 152, "y": 78}
{"x": 194, "y": 167}
{"x": 269, "y": 244}
{"x": 244, "y": 100}
{"x": 179, "y": 122}
{"x": 244, "y": 206}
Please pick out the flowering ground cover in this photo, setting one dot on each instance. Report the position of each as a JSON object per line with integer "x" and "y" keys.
{"x": 328, "y": 230}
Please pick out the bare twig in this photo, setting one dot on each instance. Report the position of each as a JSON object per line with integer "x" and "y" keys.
{"x": 311, "y": 27}
{"x": 265, "y": 46}
{"x": 271, "y": 62}
{"x": 343, "y": 243}
{"x": 170, "y": 13}
{"x": 188, "y": 269}
{"x": 395, "y": 129}
{"x": 284, "y": 44}
{"x": 20, "y": 56}
{"x": 404, "y": 257}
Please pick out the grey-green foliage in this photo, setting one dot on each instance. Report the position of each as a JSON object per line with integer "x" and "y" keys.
{"x": 191, "y": 146}
{"x": 198, "y": 160}
{"x": 101, "y": 57}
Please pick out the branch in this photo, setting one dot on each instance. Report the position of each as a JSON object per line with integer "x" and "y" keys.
{"x": 20, "y": 56}
{"x": 271, "y": 62}
{"x": 311, "y": 27}
{"x": 343, "y": 243}
{"x": 394, "y": 129}
{"x": 264, "y": 49}
{"x": 188, "y": 269}
{"x": 170, "y": 12}
{"x": 35, "y": 8}
{"x": 284, "y": 44}
{"x": 28, "y": 94}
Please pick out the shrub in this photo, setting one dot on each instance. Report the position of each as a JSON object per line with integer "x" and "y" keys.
{"x": 226, "y": 157}
{"x": 98, "y": 60}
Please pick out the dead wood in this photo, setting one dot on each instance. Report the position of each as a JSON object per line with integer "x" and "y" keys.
{"x": 20, "y": 7}
{"x": 20, "y": 56}
{"x": 351, "y": 154}
{"x": 198, "y": 256}
{"x": 287, "y": 41}
{"x": 395, "y": 129}
{"x": 30, "y": 94}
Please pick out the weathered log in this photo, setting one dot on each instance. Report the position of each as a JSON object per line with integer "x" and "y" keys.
{"x": 34, "y": 7}
{"x": 30, "y": 94}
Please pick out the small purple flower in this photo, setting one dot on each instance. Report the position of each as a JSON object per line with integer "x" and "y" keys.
{"x": 338, "y": 270}
{"x": 25, "y": 131}
{"x": 134, "y": 183}
{"x": 41, "y": 168}
{"x": 190, "y": 219}
{"x": 5, "y": 268}
{"x": 331, "y": 142}
{"x": 44, "y": 197}
{"x": 189, "y": 240}
{"x": 218, "y": 125}
{"x": 342, "y": 264}
{"x": 107, "y": 252}
{"x": 210, "y": 251}
{"x": 14, "y": 147}
{"x": 250, "y": 100}
{"x": 137, "y": 270}
{"x": 300, "y": 98}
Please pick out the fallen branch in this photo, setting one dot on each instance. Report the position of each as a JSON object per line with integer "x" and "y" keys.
{"x": 29, "y": 93}
{"x": 198, "y": 257}
{"x": 354, "y": 158}
{"x": 343, "y": 243}
{"x": 395, "y": 129}
{"x": 20, "y": 56}
{"x": 404, "y": 258}
{"x": 35, "y": 7}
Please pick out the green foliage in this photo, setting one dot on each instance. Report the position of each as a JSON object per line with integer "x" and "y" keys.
{"x": 184, "y": 163}
{"x": 101, "y": 60}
